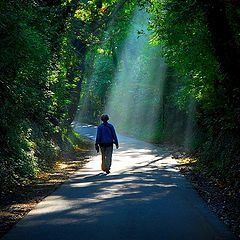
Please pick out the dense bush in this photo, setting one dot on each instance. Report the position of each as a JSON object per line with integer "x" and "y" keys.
{"x": 34, "y": 92}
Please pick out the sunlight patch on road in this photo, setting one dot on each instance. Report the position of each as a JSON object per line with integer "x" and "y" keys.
{"x": 53, "y": 204}
{"x": 132, "y": 177}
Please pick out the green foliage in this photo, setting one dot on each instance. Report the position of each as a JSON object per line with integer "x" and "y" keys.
{"x": 195, "y": 108}
{"x": 95, "y": 90}
{"x": 101, "y": 64}
{"x": 26, "y": 54}
{"x": 181, "y": 28}
{"x": 55, "y": 53}
{"x": 184, "y": 30}
{"x": 42, "y": 61}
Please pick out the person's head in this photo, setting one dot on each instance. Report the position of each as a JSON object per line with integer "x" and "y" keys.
{"x": 104, "y": 118}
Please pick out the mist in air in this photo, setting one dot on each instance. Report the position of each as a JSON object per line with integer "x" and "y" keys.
{"x": 135, "y": 104}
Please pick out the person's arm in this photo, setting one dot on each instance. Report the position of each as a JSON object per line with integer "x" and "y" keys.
{"x": 115, "y": 137}
{"x": 97, "y": 141}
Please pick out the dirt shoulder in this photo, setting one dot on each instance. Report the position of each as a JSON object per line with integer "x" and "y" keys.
{"x": 15, "y": 205}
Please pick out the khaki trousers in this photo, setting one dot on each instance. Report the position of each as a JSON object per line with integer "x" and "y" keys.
{"x": 106, "y": 157}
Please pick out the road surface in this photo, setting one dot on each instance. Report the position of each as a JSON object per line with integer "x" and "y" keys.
{"x": 144, "y": 198}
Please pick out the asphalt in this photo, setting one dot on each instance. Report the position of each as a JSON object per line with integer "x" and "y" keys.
{"x": 144, "y": 197}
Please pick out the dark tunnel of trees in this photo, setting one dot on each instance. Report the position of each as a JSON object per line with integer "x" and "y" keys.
{"x": 51, "y": 49}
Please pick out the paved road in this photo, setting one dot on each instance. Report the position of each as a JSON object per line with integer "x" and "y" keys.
{"x": 143, "y": 198}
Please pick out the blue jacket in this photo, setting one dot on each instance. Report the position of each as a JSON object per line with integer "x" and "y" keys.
{"x": 106, "y": 134}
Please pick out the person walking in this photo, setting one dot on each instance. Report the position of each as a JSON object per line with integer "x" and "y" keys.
{"x": 106, "y": 137}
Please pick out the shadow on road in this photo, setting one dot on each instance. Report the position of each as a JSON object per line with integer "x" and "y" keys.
{"x": 143, "y": 198}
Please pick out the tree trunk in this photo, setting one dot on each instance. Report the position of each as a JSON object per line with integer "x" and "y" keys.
{"x": 75, "y": 92}
{"x": 225, "y": 47}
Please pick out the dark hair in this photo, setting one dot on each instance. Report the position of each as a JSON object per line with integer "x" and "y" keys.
{"x": 104, "y": 118}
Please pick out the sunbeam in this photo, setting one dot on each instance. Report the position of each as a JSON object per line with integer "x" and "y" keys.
{"x": 135, "y": 102}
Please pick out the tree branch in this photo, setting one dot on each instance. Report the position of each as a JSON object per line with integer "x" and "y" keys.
{"x": 113, "y": 15}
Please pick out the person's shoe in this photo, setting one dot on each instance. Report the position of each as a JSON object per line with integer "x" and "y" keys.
{"x": 107, "y": 172}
